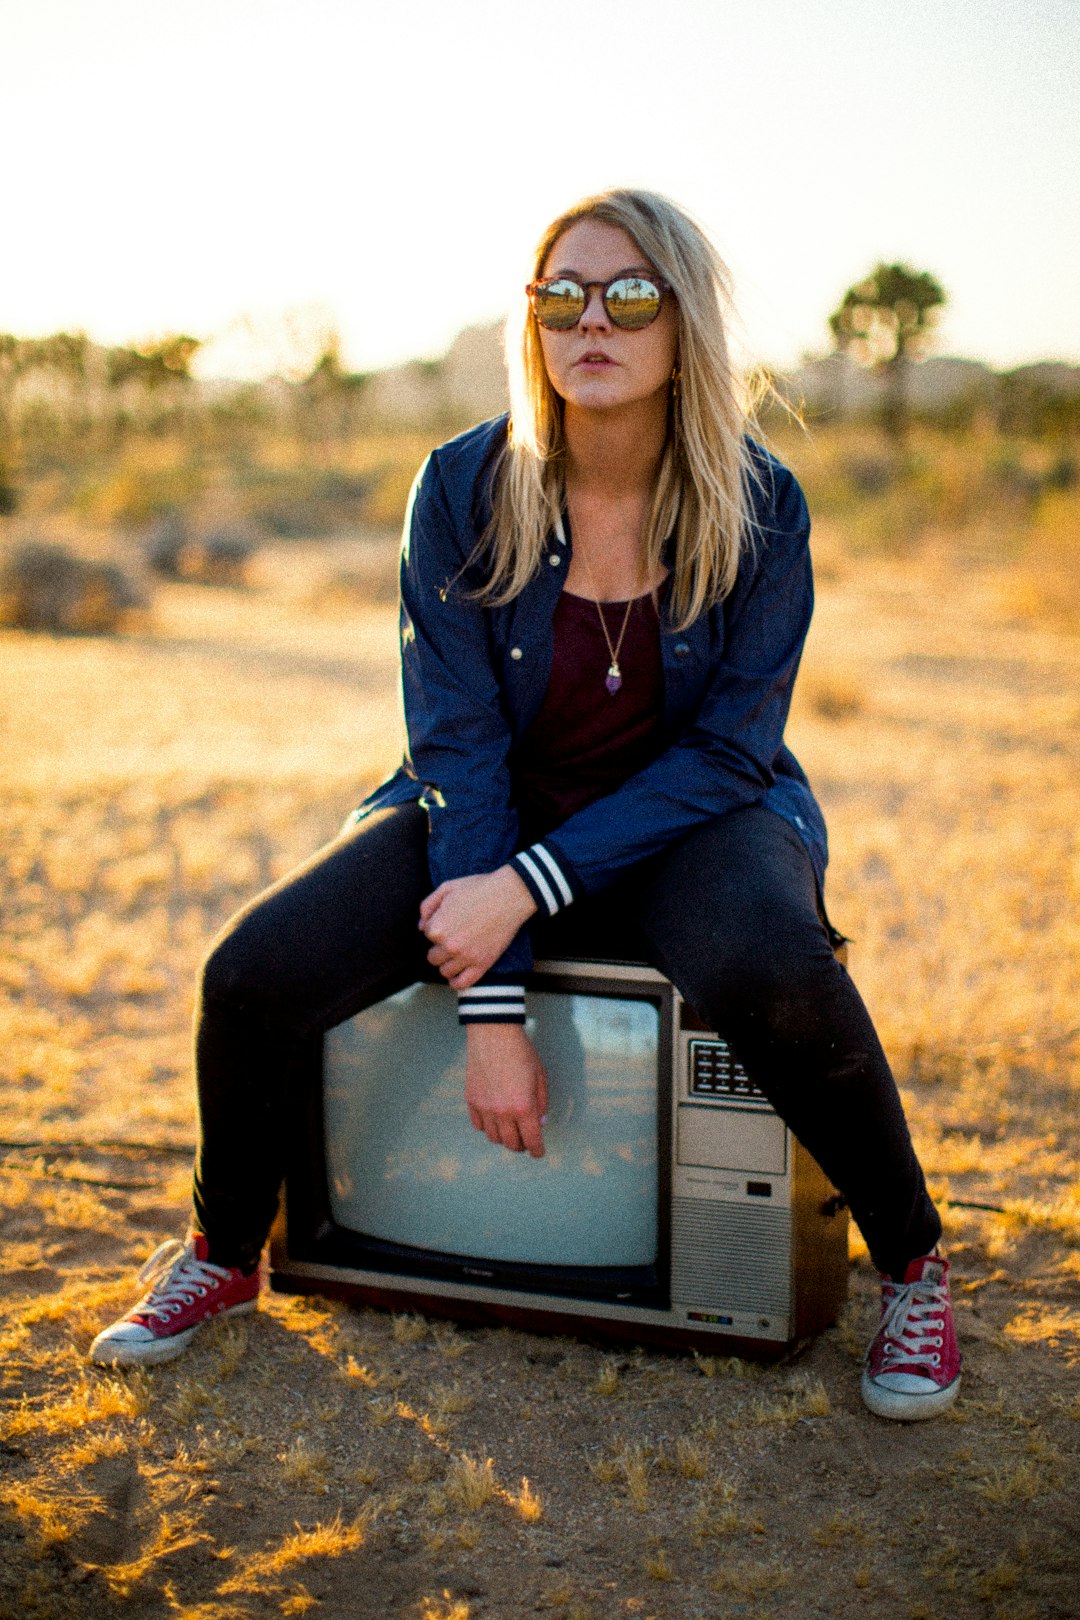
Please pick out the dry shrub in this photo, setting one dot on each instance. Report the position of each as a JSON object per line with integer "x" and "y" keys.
{"x": 834, "y": 695}
{"x": 408, "y": 1329}
{"x": 607, "y": 1379}
{"x": 804, "y": 1398}
{"x": 450, "y": 1400}
{"x": 691, "y": 1457}
{"x": 657, "y": 1564}
{"x": 470, "y": 1485}
{"x": 752, "y": 1579}
{"x": 306, "y": 1466}
{"x": 445, "y": 1608}
{"x": 46, "y": 587}
{"x": 527, "y": 1504}
{"x": 627, "y": 1465}
{"x": 222, "y": 556}
{"x": 840, "y": 1526}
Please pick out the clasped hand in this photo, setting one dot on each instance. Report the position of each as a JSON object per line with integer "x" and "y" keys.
{"x": 470, "y": 921}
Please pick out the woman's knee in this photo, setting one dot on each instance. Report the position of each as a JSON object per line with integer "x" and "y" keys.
{"x": 239, "y": 962}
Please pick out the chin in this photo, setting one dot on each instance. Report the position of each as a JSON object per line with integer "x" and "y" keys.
{"x": 600, "y": 394}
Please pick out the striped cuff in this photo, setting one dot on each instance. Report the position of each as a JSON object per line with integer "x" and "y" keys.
{"x": 544, "y": 878}
{"x": 492, "y": 1004}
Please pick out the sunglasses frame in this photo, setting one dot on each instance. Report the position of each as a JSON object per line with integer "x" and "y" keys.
{"x": 663, "y": 287}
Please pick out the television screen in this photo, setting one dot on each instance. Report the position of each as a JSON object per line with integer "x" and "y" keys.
{"x": 405, "y": 1166}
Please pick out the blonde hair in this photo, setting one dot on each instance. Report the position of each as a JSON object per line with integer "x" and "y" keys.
{"x": 703, "y": 490}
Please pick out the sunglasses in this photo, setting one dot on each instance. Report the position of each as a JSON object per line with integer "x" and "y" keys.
{"x": 631, "y": 302}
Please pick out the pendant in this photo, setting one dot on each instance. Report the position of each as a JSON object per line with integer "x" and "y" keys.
{"x": 613, "y": 679}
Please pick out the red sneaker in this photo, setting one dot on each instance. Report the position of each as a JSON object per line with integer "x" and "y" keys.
{"x": 185, "y": 1291}
{"x": 913, "y": 1366}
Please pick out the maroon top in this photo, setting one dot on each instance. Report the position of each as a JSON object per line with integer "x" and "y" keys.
{"x": 586, "y": 740}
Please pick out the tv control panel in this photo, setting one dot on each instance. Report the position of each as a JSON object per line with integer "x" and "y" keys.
{"x": 715, "y": 1072}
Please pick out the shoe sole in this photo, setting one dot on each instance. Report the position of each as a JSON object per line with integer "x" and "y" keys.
{"x": 891, "y": 1403}
{"x": 152, "y": 1351}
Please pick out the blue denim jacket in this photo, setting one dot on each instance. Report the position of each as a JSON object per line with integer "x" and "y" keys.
{"x": 474, "y": 678}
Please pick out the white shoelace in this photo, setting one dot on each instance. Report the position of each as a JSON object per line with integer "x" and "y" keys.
{"x": 177, "y": 1278}
{"x": 910, "y": 1320}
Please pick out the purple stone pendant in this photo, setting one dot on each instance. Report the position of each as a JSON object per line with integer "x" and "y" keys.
{"x": 613, "y": 680}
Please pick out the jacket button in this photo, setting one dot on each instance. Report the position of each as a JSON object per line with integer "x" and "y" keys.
{"x": 681, "y": 649}
{"x": 515, "y": 652}
{"x": 554, "y": 559}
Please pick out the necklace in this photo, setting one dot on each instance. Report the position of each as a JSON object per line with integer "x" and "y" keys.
{"x": 613, "y": 678}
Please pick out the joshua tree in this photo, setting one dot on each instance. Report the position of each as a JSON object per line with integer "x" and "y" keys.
{"x": 885, "y": 320}
{"x": 167, "y": 360}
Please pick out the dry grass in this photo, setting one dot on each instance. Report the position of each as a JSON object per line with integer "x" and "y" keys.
{"x": 323, "y": 1541}
{"x": 304, "y": 1466}
{"x": 802, "y": 1399}
{"x": 409, "y": 1329}
{"x": 527, "y": 1504}
{"x": 607, "y": 1381}
{"x": 164, "y": 778}
{"x": 470, "y": 1485}
{"x": 752, "y": 1579}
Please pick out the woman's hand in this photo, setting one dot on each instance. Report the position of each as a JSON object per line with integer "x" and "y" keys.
{"x": 471, "y": 920}
{"x": 506, "y": 1089}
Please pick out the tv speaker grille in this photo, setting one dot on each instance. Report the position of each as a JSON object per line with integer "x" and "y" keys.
{"x": 728, "y": 1256}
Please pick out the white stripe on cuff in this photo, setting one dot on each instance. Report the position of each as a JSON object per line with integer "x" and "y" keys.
{"x": 555, "y": 869}
{"x": 483, "y": 992}
{"x": 546, "y": 892}
{"x": 492, "y": 1001}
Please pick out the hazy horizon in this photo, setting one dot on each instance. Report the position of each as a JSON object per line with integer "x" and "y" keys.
{"x": 216, "y": 169}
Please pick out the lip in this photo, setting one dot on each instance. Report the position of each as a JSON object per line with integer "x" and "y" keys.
{"x": 595, "y": 359}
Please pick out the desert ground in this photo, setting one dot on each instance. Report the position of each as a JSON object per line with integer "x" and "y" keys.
{"x": 326, "y": 1460}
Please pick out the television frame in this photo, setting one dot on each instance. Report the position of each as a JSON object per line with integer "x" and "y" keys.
{"x": 311, "y": 1253}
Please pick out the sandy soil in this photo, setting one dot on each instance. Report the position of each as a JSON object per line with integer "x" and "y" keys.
{"x": 327, "y": 1460}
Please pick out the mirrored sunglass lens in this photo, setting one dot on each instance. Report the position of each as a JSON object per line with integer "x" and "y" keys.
{"x": 632, "y": 302}
{"x": 559, "y": 304}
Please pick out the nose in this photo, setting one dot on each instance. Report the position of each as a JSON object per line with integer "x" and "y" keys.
{"x": 594, "y": 316}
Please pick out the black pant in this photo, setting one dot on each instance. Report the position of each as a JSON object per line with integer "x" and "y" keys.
{"x": 728, "y": 912}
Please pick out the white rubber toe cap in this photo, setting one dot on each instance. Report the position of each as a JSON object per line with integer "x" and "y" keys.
{"x": 130, "y": 1344}
{"x": 124, "y": 1333}
{"x": 903, "y": 1383}
{"x": 905, "y": 1397}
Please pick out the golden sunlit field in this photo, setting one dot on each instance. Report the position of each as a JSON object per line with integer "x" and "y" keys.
{"x": 320, "y": 1460}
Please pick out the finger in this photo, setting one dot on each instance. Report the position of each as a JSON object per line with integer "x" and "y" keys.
{"x": 431, "y": 902}
{"x": 476, "y": 1117}
{"x": 509, "y": 1134}
{"x": 531, "y": 1135}
{"x": 437, "y": 955}
{"x": 491, "y": 1128}
{"x": 466, "y": 978}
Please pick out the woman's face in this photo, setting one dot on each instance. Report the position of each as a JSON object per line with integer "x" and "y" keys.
{"x": 596, "y": 366}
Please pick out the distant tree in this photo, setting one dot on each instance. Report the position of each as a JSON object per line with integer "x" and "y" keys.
{"x": 167, "y": 360}
{"x": 885, "y": 321}
{"x": 330, "y": 391}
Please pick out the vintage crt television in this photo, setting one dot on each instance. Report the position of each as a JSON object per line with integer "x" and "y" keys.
{"x": 673, "y": 1205}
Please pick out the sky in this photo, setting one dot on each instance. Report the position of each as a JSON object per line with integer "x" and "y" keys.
{"x": 255, "y": 172}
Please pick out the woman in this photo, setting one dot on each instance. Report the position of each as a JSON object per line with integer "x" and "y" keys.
{"x": 604, "y": 604}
